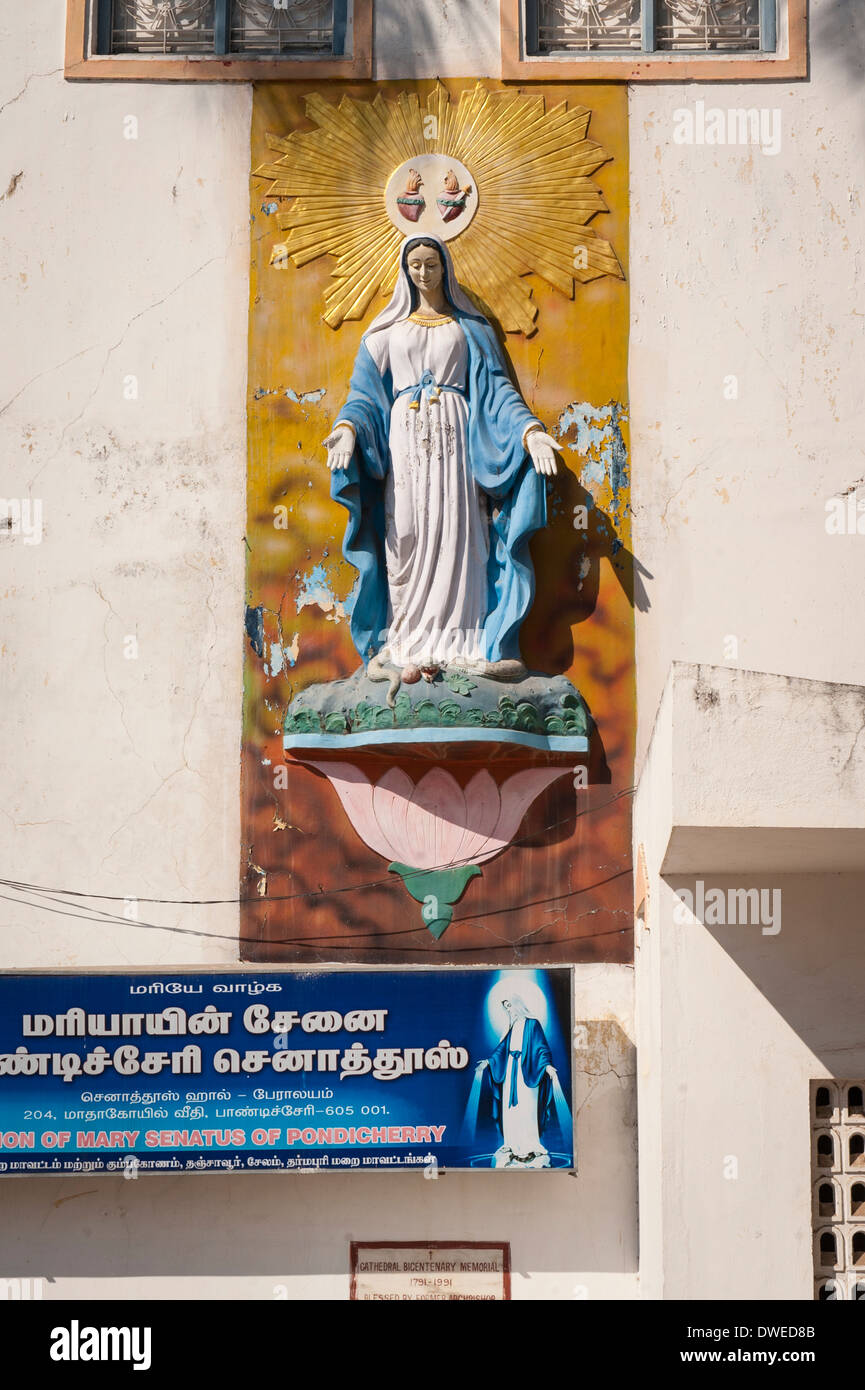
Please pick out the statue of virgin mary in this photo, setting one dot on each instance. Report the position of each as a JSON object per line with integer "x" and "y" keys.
{"x": 441, "y": 467}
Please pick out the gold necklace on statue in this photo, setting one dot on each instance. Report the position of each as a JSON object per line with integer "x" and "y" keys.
{"x": 430, "y": 320}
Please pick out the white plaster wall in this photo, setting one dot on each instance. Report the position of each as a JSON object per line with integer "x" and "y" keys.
{"x": 121, "y": 258}
{"x": 748, "y": 1021}
{"x": 750, "y": 265}
{"x": 652, "y": 821}
{"x": 436, "y": 38}
{"x": 755, "y": 771}
{"x": 129, "y": 258}
{"x": 733, "y": 1021}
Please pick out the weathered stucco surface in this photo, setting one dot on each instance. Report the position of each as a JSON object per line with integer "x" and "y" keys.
{"x": 753, "y": 784}
{"x": 127, "y": 258}
{"x": 436, "y": 38}
{"x": 746, "y": 418}
{"x": 124, "y": 311}
{"x": 749, "y": 265}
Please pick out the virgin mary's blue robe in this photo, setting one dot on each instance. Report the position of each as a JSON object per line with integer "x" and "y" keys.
{"x": 497, "y": 421}
{"x": 533, "y": 1058}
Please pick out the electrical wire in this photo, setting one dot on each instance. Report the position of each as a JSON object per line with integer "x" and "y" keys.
{"x": 289, "y": 897}
{"x": 59, "y": 906}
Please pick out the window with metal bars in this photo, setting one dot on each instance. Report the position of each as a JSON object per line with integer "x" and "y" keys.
{"x": 215, "y": 28}
{"x": 560, "y": 27}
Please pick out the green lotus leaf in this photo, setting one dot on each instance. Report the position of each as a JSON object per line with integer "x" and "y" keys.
{"x": 577, "y": 721}
{"x": 459, "y": 683}
{"x": 438, "y": 890}
{"x": 450, "y": 712}
{"x": 528, "y": 718}
{"x": 425, "y": 712}
{"x": 334, "y": 723}
{"x": 303, "y": 721}
{"x": 402, "y": 710}
{"x": 363, "y": 716}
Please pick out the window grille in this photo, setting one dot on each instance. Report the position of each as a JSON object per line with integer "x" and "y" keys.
{"x": 838, "y": 1212}
{"x": 598, "y": 26}
{"x": 296, "y": 26}
{"x": 709, "y": 26}
{"x": 649, "y": 26}
{"x": 265, "y": 28}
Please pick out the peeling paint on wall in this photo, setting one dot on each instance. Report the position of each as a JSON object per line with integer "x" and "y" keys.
{"x": 596, "y": 436}
{"x": 315, "y": 588}
{"x": 304, "y": 398}
{"x": 599, "y": 440}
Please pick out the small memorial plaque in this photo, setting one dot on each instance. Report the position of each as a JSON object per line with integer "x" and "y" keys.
{"x": 403, "y": 1272}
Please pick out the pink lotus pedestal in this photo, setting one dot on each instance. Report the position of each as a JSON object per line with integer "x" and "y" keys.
{"x": 434, "y": 832}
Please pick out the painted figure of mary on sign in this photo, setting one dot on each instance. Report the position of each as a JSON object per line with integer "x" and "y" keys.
{"x": 523, "y": 1079}
{"x": 442, "y": 468}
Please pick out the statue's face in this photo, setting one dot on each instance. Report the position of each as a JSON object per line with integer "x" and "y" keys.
{"x": 425, "y": 267}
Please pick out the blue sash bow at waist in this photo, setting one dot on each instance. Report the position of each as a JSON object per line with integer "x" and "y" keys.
{"x": 516, "y": 1055}
{"x": 429, "y": 387}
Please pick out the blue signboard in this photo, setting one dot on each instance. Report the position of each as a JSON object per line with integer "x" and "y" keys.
{"x": 331, "y": 1070}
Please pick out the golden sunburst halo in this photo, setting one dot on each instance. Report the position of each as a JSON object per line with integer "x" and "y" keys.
{"x": 531, "y": 168}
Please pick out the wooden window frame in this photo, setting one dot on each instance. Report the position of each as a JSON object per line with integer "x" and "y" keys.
{"x": 82, "y": 65}
{"x": 790, "y": 58}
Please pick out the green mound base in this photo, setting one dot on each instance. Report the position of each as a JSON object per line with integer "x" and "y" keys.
{"x": 540, "y": 712}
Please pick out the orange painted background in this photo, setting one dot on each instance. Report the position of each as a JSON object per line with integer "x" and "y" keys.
{"x": 312, "y": 890}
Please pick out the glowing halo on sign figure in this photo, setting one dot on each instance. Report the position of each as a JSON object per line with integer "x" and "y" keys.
{"x": 438, "y": 460}
{"x": 523, "y": 982}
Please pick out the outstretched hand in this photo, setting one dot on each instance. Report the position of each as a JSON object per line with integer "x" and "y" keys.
{"x": 542, "y": 449}
{"x": 340, "y": 447}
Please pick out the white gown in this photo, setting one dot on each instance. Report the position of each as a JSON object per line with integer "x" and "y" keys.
{"x": 520, "y": 1121}
{"x": 437, "y": 523}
